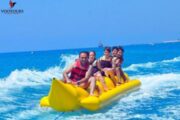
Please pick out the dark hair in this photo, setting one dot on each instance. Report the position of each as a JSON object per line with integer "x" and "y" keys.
{"x": 108, "y": 49}
{"x": 121, "y": 48}
{"x": 86, "y": 52}
{"x": 93, "y": 52}
{"x": 114, "y": 48}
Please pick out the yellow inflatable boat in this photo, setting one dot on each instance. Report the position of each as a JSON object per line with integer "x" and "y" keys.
{"x": 66, "y": 97}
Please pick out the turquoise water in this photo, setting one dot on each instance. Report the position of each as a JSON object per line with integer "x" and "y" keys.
{"x": 26, "y": 77}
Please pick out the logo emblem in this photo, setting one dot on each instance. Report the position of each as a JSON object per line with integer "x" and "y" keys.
{"x": 11, "y": 10}
{"x": 11, "y": 3}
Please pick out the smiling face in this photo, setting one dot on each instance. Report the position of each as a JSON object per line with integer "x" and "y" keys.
{"x": 106, "y": 53}
{"x": 114, "y": 52}
{"x": 83, "y": 57}
{"x": 120, "y": 53}
{"x": 91, "y": 57}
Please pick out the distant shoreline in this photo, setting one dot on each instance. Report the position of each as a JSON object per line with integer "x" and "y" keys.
{"x": 171, "y": 41}
{"x": 33, "y": 51}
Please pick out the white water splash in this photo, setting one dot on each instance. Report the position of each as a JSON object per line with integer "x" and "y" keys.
{"x": 135, "y": 67}
{"x": 27, "y": 77}
{"x": 153, "y": 85}
{"x": 176, "y": 59}
{"x": 19, "y": 79}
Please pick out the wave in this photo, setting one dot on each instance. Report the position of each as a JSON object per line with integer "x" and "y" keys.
{"x": 152, "y": 82}
{"x": 176, "y": 59}
{"x": 32, "y": 112}
{"x": 19, "y": 79}
{"x": 67, "y": 59}
{"x": 27, "y": 77}
{"x": 152, "y": 85}
{"x": 135, "y": 67}
{"x": 7, "y": 108}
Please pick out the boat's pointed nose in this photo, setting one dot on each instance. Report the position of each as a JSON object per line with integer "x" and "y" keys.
{"x": 63, "y": 97}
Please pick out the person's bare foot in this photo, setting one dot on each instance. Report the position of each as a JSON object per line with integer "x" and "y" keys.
{"x": 105, "y": 88}
{"x": 126, "y": 80}
{"x": 119, "y": 83}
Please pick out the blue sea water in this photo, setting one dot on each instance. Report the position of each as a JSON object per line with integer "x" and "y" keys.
{"x": 25, "y": 77}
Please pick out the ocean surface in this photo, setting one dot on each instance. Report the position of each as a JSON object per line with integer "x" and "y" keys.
{"x": 25, "y": 77}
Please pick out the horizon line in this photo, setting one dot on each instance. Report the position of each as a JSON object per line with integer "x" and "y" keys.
{"x": 125, "y": 45}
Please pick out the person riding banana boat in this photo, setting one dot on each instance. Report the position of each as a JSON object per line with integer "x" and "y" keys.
{"x": 106, "y": 65}
{"x": 117, "y": 64}
{"x": 90, "y": 83}
{"x": 79, "y": 73}
{"x": 86, "y": 70}
{"x": 94, "y": 71}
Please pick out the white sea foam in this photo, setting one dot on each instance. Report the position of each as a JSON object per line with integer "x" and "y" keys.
{"x": 67, "y": 59}
{"x": 27, "y": 77}
{"x": 29, "y": 113}
{"x": 171, "y": 112}
{"x": 176, "y": 59}
{"x": 153, "y": 85}
{"x": 19, "y": 79}
{"x": 7, "y": 108}
{"x": 135, "y": 67}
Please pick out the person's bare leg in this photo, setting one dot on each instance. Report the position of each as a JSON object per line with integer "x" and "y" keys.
{"x": 98, "y": 74}
{"x": 111, "y": 74}
{"x": 92, "y": 81}
{"x": 118, "y": 76}
{"x": 103, "y": 83}
{"x": 123, "y": 75}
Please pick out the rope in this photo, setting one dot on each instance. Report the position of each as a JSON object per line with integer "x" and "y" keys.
{"x": 59, "y": 116}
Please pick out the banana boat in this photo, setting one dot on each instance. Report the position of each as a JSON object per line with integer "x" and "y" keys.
{"x": 66, "y": 97}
